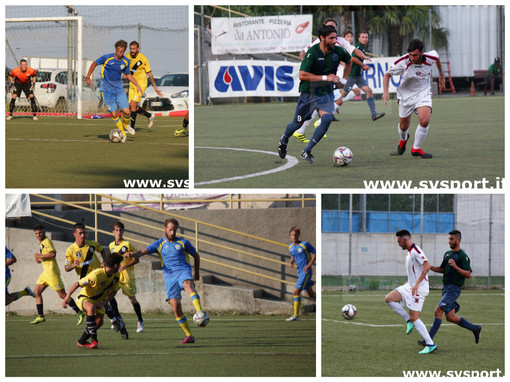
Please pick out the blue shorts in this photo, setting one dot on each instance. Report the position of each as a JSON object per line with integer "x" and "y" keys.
{"x": 174, "y": 281}
{"x": 451, "y": 293}
{"x": 304, "y": 281}
{"x": 113, "y": 101}
{"x": 360, "y": 81}
{"x": 308, "y": 102}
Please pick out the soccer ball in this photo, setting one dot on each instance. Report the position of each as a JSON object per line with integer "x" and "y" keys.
{"x": 116, "y": 136}
{"x": 349, "y": 311}
{"x": 201, "y": 318}
{"x": 342, "y": 156}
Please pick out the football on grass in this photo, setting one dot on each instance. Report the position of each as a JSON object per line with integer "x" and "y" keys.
{"x": 349, "y": 311}
{"x": 201, "y": 318}
{"x": 342, "y": 156}
{"x": 115, "y": 135}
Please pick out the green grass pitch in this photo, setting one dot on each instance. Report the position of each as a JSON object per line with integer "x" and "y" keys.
{"x": 57, "y": 152}
{"x": 466, "y": 138}
{"x": 230, "y": 346}
{"x": 374, "y": 344}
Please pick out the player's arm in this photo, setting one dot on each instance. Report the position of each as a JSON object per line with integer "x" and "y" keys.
{"x": 89, "y": 73}
{"x": 153, "y": 82}
{"x": 10, "y": 261}
{"x": 426, "y": 267}
{"x": 442, "y": 82}
{"x": 133, "y": 81}
{"x": 71, "y": 290}
{"x": 386, "y": 86}
{"x": 362, "y": 55}
{"x": 356, "y": 60}
{"x": 292, "y": 261}
{"x": 309, "y": 265}
{"x": 130, "y": 264}
{"x": 49, "y": 255}
{"x": 437, "y": 269}
{"x": 306, "y": 76}
{"x": 109, "y": 298}
{"x": 196, "y": 268}
{"x": 34, "y": 79}
{"x": 463, "y": 272}
{"x": 137, "y": 254}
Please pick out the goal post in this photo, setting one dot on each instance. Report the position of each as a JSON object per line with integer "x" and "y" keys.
{"x": 77, "y": 62}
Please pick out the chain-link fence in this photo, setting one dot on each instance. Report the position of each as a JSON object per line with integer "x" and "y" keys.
{"x": 50, "y": 47}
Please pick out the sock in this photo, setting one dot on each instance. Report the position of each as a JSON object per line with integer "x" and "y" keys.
{"x": 466, "y": 324}
{"x": 125, "y": 119}
{"x": 185, "y": 123}
{"x": 133, "y": 118}
{"x": 195, "y": 299}
{"x": 40, "y": 311}
{"x": 115, "y": 307}
{"x": 419, "y": 136}
{"x": 420, "y": 327}
{"x": 11, "y": 106}
{"x": 92, "y": 327}
{"x": 138, "y": 311}
{"x": 399, "y": 309}
{"x": 73, "y": 305}
{"x": 183, "y": 321}
{"x": 110, "y": 313}
{"x": 371, "y": 105}
{"x": 297, "y": 304}
{"x": 21, "y": 293}
{"x": 336, "y": 106}
{"x": 84, "y": 337}
{"x": 144, "y": 112}
{"x": 307, "y": 123}
{"x": 349, "y": 96}
{"x": 118, "y": 124}
{"x": 435, "y": 327}
{"x": 402, "y": 133}
{"x": 320, "y": 131}
{"x": 289, "y": 130}
{"x": 32, "y": 104}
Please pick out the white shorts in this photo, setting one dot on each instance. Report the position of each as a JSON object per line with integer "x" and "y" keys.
{"x": 412, "y": 302}
{"x": 409, "y": 106}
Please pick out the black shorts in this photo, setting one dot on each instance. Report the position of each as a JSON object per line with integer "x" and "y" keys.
{"x": 19, "y": 87}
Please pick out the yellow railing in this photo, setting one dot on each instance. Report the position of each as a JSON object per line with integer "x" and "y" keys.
{"x": 97, "y": 212}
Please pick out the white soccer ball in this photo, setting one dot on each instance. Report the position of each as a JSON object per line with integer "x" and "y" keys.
{"x": 349, "y": 311}
{"x": 342, "y": 156}
{"x": 116, "y": 135}
{"x": 201, "y": 318}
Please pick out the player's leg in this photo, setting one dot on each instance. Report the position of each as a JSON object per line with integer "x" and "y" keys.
{"x": 80, "y": 315}
{"x": 15, "y": 94}
{"x": 11, "y": 297}
{"x": 90, "y": 330}
{"x": 183, "y": 131}
{"x": 424, "y": 113}
{"x": 31, "y": 97}
{"x": 453, "y": 293}
{"x": 138, "y": 311}
{"x": 403, "y": 127}
{"x": 189, "y": 287}
{"x": 300, "y": 133}
{"x": 370, "y": 101}
{"x": 325, "y": 105}
{"x": 175, "y": 303}
{"x": 304, "y": 110}
{"x": 134, "y": 96}
{"x": 126, "y": 119}
{"x": 396, "y": 300}
{"x": 39, "y": 289}
{"x": 430, "y": 346}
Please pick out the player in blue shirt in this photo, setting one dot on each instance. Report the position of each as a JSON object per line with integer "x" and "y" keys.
{"x": 113, "y": 66}
{"x": 303, "y": 255}
{"x": 174, "y": 253}
{"x": 11, "y": 297}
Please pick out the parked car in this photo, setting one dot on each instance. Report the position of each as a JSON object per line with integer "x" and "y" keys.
{"x": 175, "y": 89}
{"x": 51, "y": 91}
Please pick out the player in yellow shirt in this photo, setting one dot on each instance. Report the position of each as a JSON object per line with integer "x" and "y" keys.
{"x": 50, "y": 277}
{"x": 81, "y": 256}
{"x": 127, "y": 275}
{"x": 140, "y": 70}
{"x": 98, "y": 288}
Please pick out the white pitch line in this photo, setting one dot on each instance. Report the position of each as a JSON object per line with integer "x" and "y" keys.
{"x": 91, "y": 141}
{"x": 396, "y": 325}
{"x": 291, "y": 162}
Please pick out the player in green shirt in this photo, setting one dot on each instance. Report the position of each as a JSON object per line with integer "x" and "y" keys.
{"x": 495, "y": 74}
{"x": 456, "y": 268}
{"x": 317, "y": 74}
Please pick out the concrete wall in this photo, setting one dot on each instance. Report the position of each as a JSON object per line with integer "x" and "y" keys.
{"x": 273, "y": 224}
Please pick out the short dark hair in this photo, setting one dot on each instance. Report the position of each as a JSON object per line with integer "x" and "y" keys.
{"x": 38, "y": 227}
{"x": 78, "y": 226}
{"x": 346, "y": 32}
{"x": 326, "y": 30}
{"x": 362, "y": 31}
{"x": 118, "y": 224}
{"x": 173, "y": 221}
{"x": 295, "y": 229}
{"x": 134, "y": 43}
{"x": 328, "y": 20}
{"x": 22, "y": 60}
{"x": 456, "y": 233}
{"x": 415, "y": 44}
{"x": 402, "y": 233}
{"x": 121, "y": 43}
{"x": 112, "y": 259}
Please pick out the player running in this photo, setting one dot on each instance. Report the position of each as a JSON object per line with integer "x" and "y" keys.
{"x": 22, "y": 79}
{"x": 303, "y": 255}
{"x": 414, "y": 291}
{"x": 414, "y": 93}
{"x": 456, "y": 268}
{"x": 140, "y": 70}
{"x": 127, "y": 271}
{"x": 11, "y": 297}
{"x": 113, "y": 66}
{"x": 317, "y": 75}
{"x": 174, "y": 253}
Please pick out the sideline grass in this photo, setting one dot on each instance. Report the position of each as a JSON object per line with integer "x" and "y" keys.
{"x": 466, "y": 138}
{"x": 69, "y": 153}
{"x": 374, "y": 344}
{"x": 231, "y": 346}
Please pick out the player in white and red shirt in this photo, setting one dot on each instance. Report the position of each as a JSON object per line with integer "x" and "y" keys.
{"x": 414, "y": 291}
{"x": 414, "y": 93}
